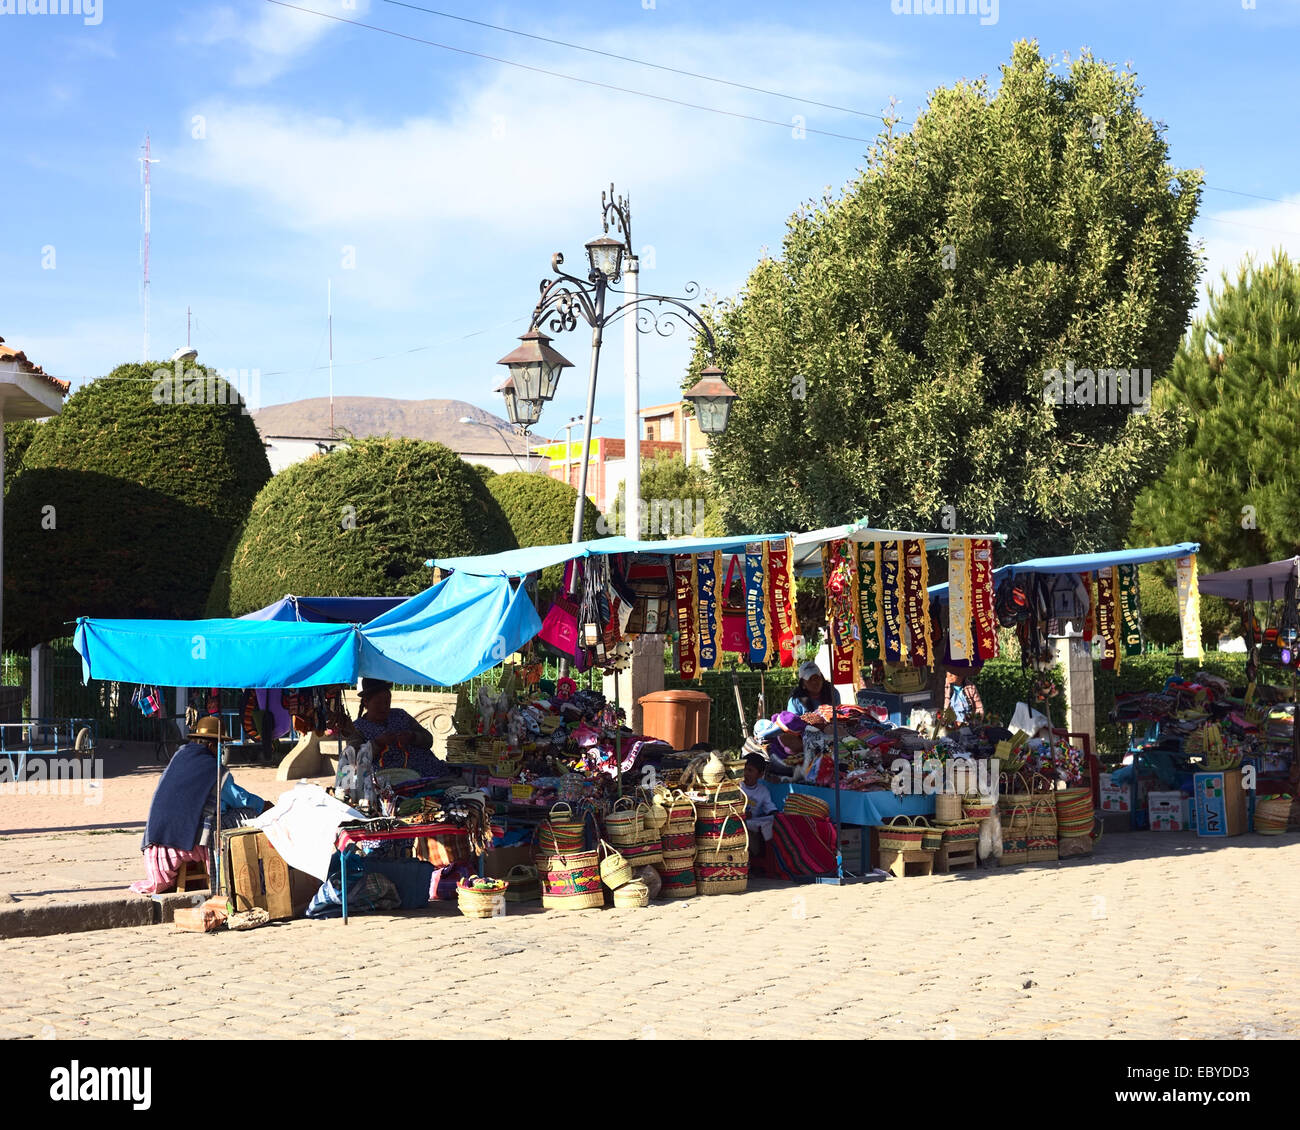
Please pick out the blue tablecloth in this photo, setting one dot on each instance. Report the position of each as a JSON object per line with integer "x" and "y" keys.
{"x": 860, "y": 808}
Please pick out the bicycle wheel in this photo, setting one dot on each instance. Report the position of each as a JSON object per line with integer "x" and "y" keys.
{"x": 169, "y": 740}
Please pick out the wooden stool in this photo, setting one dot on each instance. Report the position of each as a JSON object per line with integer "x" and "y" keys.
{"x": 904, "y": 863}
{"x": 954, "y": 857}
{"x": 192, "y": 877}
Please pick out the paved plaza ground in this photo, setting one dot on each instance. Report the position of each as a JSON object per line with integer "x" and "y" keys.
{"x": 1158, "y": 936}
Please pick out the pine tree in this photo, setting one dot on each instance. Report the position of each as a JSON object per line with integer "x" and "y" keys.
{"x": 1233, "y": 487}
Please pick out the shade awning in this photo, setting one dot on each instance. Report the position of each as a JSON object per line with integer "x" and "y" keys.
{"x": 459, "y": 628}
{"x": 1231, "y": 583}
{"x": 327, "y": 609}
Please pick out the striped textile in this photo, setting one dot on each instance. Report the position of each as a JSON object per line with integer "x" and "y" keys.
{"x": 801, "y": 845}
{"x": 163, "y": 864}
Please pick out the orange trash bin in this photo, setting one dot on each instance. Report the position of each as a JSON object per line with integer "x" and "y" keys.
{"x": 680, "y": 718}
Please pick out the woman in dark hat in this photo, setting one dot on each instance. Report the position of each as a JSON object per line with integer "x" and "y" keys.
{"x": 182, "y": 814}
{"x": 396, "y": 739}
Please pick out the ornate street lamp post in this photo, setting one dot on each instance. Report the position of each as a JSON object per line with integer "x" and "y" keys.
{"x": 535, "y": 367}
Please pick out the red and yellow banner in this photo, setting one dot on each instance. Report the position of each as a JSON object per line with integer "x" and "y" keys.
{"x": 916, "y": 602}
{"x": 839, "y": 572}
{"x": 781, "y": 592}
{"x": 981, "y": 590}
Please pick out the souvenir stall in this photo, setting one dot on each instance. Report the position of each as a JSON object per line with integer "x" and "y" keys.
{"x": 1051, "y": 784}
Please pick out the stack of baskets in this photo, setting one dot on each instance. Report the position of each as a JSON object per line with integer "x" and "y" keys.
{"x": 677, "y": 847}
{"x": 1028, "y": 801}
{"x": 721, "y": 841}
{"x": 1272, "y": 814}
{"x": 1074, "y": 821}
{"x": 634, "y": 832}
{"x": 560, "y": 832}
{"x": 956, "y": 829}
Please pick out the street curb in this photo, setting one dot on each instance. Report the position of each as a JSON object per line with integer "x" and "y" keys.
{"x": 20, "y": 921}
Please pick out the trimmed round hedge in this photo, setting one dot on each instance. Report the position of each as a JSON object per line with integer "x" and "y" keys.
{"x": 540, "y": 512}
{"x": 360, "y": 521}
{"x": 122, "y": 505}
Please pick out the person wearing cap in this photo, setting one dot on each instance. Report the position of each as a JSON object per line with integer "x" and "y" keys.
{"x": 182, "y": 814}
{"x": 812, "y": 691}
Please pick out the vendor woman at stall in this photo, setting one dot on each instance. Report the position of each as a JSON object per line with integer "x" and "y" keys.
{"x": 182, "y": 814}
{"x": 395, "y": 738}
{"x": 812, "y": 691}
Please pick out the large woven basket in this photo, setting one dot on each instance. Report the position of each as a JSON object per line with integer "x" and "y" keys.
{"x": 678, "y": 884}
{"x": 947, "y": 808}
{"x": 720, "y": 833}
{"x": 898, "y": 833}
{"x": 722, "y": 873}
{"x": 1272, "y": 814}
{"x": 556, "y": 836}
{"x": 572, "y": 882}
{"x": 961, "y": 832}
{"x": 681, "y": 814}
{"x": 724, "y": 799}
{"x": 978, "y": 807}
{"x": 1015, "y": 837}
{"x": 1074, "y": 816}
{"x": 633, "y": 894}
{"x": 678, "y": 849}
{"x": 623, "y": 824}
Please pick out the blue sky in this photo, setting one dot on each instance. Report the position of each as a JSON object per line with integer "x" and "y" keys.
{"x": 291, "y": 146}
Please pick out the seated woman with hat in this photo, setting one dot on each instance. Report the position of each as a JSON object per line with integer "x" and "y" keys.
{"x": 396, "y": 739}
{"x": 812, "y": 691}
{"x": 182, "y": 814}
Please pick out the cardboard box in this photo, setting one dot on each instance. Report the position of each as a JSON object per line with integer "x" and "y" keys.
{"x": 1114, "y": 798}
{"x": 851, "y": 847}
{"x": 1168, "y": 811}
{"x": 258, "y": 876}
{"x": 498, "y": 861}
{"x": 1220, "y": 803}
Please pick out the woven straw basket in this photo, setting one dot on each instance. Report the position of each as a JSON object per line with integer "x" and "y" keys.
{"x": 633, "y": 894}
{"x": 615, "y": 871}
{"x": 482, "y": 902}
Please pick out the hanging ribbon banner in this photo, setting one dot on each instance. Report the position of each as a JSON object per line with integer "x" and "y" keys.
{"x": 869, "y": 599}
{"x": 756, "y": 619}
{"x": 1130, "y": 610}
{"x": 960, "y": 643}
{"x": 685, "y": 593}
{"x": 1107, "y": 618}
{"x": 981, "y": 589}
{"x": 707, "y": 568}
{"x": 891, "y": 602}
{"x": 916, "y": 602}
{"x": 781, "y": 591}
{"x": 839, "y": 573}
{"x": 1189, "y": 607}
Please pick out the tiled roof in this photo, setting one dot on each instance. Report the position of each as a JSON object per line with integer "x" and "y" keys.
{"x": 19, "y": 358}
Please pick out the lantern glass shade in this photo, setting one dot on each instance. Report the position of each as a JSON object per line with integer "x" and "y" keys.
{"x": 606, "y": 257}
{"x": 712, "y": 399}
{"x": 535, "y": 367}
{"x": 520, "y": 411}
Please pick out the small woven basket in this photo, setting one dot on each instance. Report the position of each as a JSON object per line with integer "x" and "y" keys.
{"x": 482, "y": 902}
{"x": 523, "y": 884}
{"x": 615, "y": 870}
{"x": 633, "y": 894}
{"x": 947, "y": 808}
{"x": 900, "y": 837}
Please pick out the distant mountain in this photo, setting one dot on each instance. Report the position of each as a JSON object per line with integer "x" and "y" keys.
{"x": 364, "y": 416}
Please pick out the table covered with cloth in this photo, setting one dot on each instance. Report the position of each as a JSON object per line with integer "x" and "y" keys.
{"x": 859, "y": 808}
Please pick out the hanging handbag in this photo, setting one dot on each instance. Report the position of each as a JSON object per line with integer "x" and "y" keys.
{"x": 734, "y": 636}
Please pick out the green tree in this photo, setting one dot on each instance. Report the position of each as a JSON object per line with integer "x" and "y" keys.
{"x": 540, "y": 512}
{"x": 18, "y": 438}
{"x": 361, "y": 521}
{"x": 123, "y": 504}
{"x": 1234, "y": 485}
{"x": 677, "y": 500}
{"x": 891, "y": 363}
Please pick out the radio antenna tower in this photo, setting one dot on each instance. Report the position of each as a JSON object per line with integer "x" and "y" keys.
{"x": 145, "y": 162}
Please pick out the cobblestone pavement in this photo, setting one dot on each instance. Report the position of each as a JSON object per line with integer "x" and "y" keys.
{"x": 1157, "y": 936}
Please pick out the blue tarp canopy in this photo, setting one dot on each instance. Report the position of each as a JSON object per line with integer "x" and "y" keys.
{"x": 520, "y": 562}
{"x": 444, "y": 635}
{"x": 1084, "y": 563}
{"x": 1231, "y": 584}
{"x": 449, "y": 633}
{"x": 217, "y": 653}
{"x": 327, "y": 609}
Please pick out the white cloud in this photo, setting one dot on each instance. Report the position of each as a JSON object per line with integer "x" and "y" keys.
{"x": 271, "y": 38}
{"x": 1232, "y": 234}
{"x": 510, "y": 155}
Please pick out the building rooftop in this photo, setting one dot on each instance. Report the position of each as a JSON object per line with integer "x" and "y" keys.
{"x": 18, "y": 359}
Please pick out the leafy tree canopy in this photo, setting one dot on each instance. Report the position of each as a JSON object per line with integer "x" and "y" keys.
{"x": 891, "y": 363}
{"x": 540, "y": 512}
{"x": 125, "y": 501}
{"x": 361, "y": 521}
{"x": 677, "y": 500}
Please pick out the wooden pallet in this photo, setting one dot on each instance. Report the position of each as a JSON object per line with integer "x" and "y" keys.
{"x": 907, "y": 863}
